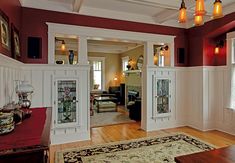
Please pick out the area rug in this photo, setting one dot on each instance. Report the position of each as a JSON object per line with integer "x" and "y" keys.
{"x": 109, "y": 118}
{"x": 145, "y": 150}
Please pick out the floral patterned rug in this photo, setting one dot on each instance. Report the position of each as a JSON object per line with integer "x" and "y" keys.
{"x": 152, "y": 150}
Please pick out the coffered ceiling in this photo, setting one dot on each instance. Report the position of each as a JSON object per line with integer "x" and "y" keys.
{"x": 162, "y": 12}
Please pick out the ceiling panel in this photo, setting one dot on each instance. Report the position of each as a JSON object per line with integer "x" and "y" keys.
{"x": 163, "y": 12}
{"x": 123, "y": 6}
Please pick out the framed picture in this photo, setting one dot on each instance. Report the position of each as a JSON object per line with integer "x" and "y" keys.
{"x": 4, "y": 31}
{"x": 15, "y": 41}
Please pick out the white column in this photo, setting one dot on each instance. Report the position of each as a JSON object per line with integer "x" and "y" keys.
{"x": 146, "y": 86}
{"x": 82, "y": 51}
{"x": 148, "y": 54}
{"x": 172, "y": 53}
{"x": 51, "y": 46}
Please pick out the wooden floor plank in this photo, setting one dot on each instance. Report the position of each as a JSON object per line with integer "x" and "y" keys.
{"x": 106, "y": 134}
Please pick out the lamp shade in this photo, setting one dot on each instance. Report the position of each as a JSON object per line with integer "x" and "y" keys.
{"x": 200, "y": 8}
{"x": 217, "y": 11}
{"x": 24, "y": 87}
{"x": 198, "y": 20}
{"x": 182, "y": 13}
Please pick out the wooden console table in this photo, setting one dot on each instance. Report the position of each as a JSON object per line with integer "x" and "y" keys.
{"x": 222, "y": 155}
{"x": 29, "y": 142}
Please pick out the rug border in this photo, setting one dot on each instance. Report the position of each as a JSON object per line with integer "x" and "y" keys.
{"x": 59, "y": 154}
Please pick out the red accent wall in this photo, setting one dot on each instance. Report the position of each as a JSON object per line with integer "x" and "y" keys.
{"x": 202, "y": 41}
{"x": 12, "y": 8}
{"x": 34, "y": 24}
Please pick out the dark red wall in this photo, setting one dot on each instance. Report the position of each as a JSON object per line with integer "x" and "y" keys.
{"x": 12, "y": 9}
{"x": 202, "y": 41}
{"x": 34, "y": 24}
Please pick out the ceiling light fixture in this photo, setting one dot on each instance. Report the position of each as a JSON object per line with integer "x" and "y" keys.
{"x": 182, "y": 14}
{"x": 217, "y": 11}
{"x": 200, "y": 8}
{"x": 200, "y": 12}
{"x": 198, "y": 20}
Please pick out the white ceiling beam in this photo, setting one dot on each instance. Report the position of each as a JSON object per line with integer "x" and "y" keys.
{"x": 77, "y": 5}
{"x": 164, "y": 16}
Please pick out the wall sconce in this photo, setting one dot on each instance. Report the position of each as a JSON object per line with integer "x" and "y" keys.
{"x": 62, "y": 44}
{"x": 163, "y": 49}
{"x": 218, "y": 46}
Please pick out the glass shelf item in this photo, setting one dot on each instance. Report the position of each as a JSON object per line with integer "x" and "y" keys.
{"x": 66, "y": 101}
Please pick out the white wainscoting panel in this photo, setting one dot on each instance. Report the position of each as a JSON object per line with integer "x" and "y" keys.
{"x": 200, "y": 96}
{"x": 178, "y": 108}
{"x": 10, "y": 71}
{"x": 41, "y": 78}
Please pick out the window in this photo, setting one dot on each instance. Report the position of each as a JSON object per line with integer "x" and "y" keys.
{"x": 97, "y": 73}
{"x": 125, "y": 63}
{"x": 232, "y": 98}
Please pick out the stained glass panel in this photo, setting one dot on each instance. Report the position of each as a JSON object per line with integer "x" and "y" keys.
{"x": 163, "y": 96}
{"x": 66, "y": 101}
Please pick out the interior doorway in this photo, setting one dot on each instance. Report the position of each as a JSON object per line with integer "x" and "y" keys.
{"x": 115, "y": 81}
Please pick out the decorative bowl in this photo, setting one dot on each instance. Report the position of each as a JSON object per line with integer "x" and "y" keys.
{"x": 6, "y": 118}
{"x": 4, "y": 129}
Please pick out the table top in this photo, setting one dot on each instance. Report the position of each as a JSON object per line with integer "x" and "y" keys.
{"x": 105, "y": 98}
{"x": 32, "y": 132}
{"x": 221, "y": 155}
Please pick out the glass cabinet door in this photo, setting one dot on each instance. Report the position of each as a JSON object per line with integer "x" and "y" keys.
{"x": 163, "y": 96}
{"x": 66, "y": 101}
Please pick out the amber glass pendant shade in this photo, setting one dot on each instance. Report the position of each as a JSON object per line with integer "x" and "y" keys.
{"x": 200, "y": 8}
{"x": 217, "y": 11}
{"x": 198, "y": 20}
{"x": 182, "y": 13}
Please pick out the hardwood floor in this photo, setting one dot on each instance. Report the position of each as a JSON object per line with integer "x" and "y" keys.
{"x": 120, "y": 132}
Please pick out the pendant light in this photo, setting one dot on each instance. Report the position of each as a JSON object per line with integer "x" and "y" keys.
{"x": 198, "y": 20}
{"x": 217, "y": 12}
{"x": 182, "y": 13}
{"x": 63, "y": 45}
{"x": 200, "y": 8}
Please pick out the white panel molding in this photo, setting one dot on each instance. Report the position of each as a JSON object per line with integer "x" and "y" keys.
{"x": 200, "y": 95}
{"x": 10, "y": 70}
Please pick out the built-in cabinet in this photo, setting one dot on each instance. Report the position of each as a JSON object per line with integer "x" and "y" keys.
{"x": 66, "y": 102}
{"x": 67, "y": 124}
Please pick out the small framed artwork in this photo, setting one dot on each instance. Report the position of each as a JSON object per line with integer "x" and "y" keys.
{"x": 4, "y": 31}
{"x": 15, "y": 41}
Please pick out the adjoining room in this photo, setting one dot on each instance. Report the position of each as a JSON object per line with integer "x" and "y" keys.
{"x": 117, "y": 81}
